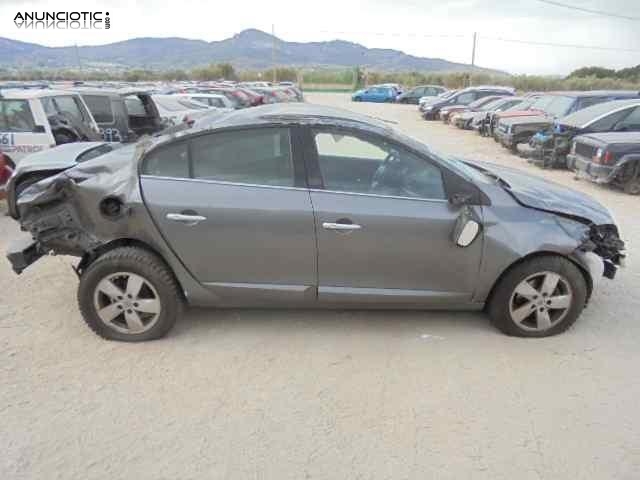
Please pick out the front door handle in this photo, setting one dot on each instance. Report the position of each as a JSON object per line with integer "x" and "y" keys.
{"x": 186, "y": 219}
{"x": 341, "y": 226}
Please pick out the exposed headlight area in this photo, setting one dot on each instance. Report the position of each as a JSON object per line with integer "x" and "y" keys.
{"x": 603, "y": 240}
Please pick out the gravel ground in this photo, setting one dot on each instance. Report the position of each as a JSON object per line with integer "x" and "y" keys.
{"x": 305, "y": 394}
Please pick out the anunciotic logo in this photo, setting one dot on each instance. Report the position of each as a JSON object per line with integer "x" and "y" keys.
{"x": 63, "y": 20}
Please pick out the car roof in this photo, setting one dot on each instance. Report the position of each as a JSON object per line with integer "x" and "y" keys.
{"x": 199, "y": 94}
{"x": 25, "y": 94}
{"x": 595, "y": 93}
{"x": 614, "y": 137}
{"x": 95, "y": 91}
{"x": 296, "y": 113}
{"x": 585, "y": 116}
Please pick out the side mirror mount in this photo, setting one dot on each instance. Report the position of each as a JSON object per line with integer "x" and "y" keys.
{"x": 466, "y": 229}
{"x": 459, "y": 199}
{"x": 39, "y": 129}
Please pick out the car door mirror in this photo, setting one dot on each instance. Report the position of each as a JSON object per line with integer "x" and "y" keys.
{"x": 39, "y": 129}
{"x": 466, "y": 229}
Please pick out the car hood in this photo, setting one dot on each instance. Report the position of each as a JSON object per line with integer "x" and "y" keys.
{"x": 539, "y": 193}
{"x": 519, "y": 113}
{"x": 60, "y": 157}
{"x": 528, "y": 120}
{"x": 434, "y": 102}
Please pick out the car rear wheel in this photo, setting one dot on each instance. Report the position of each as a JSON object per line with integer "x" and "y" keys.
{"x": 129, "y": 294}
{"x": 540, "y": 297}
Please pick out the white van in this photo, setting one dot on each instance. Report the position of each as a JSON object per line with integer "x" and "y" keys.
{"x": 35, "y": 120}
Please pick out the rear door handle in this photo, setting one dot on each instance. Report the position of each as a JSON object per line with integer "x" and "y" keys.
{"x": 341, "y": 226}
{"x": 186, "y": 219}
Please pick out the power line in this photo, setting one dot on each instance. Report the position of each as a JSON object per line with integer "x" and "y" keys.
{"x": 394, "y": 34}
{"x": 565, "y": 45}
{"x": 588, "y": 10}
{"x": 466, "y": 36}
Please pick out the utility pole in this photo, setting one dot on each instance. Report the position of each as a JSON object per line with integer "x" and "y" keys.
{"x": 473, "y": 56}
{"x": 273, "y": 51}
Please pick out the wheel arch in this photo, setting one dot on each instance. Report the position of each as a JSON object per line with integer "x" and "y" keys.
{"x": 89, "y": 257}
{"x": 545, "y": 253}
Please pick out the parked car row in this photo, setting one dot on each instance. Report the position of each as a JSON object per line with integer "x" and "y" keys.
{"x": 33, "y": 119}
{"x": 594, "y": 133}
{"x": 394, "y": 93}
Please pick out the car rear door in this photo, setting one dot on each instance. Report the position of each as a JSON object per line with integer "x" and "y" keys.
{"x": 384, "y": 225}
{"x": 234, "y": 208}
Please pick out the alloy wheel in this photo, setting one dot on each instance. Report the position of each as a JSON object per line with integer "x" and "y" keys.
{"x": 540, "y": 301}
{"x": 127, "y": 302}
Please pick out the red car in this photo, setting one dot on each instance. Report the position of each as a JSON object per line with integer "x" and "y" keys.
{"x": 5, "y": 172}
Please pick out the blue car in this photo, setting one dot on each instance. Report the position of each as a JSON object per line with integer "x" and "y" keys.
{"x": 375, "y": 94}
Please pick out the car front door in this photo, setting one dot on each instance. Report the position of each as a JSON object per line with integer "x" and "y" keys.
{"x": 234, "y": 208}
{"x": 384, "y": 225}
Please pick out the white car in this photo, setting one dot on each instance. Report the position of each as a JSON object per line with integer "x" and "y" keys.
{"x": 36, "y": 120}
{"x": 209, "y": 99}
{"x": 176, "y": 109}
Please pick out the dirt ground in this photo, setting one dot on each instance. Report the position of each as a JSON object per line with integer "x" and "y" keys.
{"x": 254, "y": 394}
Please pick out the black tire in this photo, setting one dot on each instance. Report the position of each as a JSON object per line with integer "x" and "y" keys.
{"x": 139, "y": 262}
{"x": 499, "y": 303}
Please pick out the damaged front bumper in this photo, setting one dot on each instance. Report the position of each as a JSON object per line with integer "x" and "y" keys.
{"x": 22, "y": 252}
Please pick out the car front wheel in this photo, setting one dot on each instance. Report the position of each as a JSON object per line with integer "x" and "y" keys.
{"x": 129, "y": 294}
{"x": 540, "y": 297}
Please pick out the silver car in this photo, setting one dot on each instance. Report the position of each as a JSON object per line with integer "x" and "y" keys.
{"x": 297, "y": 205}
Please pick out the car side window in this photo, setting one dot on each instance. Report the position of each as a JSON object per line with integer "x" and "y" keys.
{"x": 170, "y": 161}
{"x": 69, "y": 105}
{"x": 100, "y": 107}
{"x": 261, "y": 156}
{"x": 353, "y": 164}
{"x": 631, "y": 123}
{"x": 16, "y": 116}
{"x": 607, "y": 123}
{"x": 135, "y": 107}
{"x": 465, "y": 98}
{"x": 589, "y": 101}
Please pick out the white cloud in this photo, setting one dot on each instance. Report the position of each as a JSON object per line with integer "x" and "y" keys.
{"x": 399, "y": 24}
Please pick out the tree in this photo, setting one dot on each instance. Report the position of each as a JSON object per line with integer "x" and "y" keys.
{"x": 598, "y": 72}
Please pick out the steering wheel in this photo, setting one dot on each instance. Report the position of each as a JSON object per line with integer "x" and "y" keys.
{"x": 389, "y": 176}
{"x": 378, "y": 177}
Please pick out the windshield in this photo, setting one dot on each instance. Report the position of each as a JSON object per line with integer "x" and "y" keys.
{"x": 542, "y": 102}
{"x": 493, "y": 104}
{"x": 522, "y": 105}
{"x": 559, "y": 106}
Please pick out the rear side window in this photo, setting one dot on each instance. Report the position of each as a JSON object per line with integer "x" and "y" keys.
{"x": 588, "y": 101}
{"x": 465, "y": 98}
{"x": 607, "y": 123}
{"x": 135, "y": 107}
{"x": 100, "y": 107}
{"x": 16, "y": 116}
{"x": 631, "y": 123}
{"x": 70, "y": 106}
{"x": 171, "y": 161}
{"x": 261, "y": 156}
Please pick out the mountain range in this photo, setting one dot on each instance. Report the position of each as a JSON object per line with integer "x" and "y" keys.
{"x": 249, "y": 49}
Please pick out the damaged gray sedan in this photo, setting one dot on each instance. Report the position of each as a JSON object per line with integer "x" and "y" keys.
{"x": 304, "y": 206}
